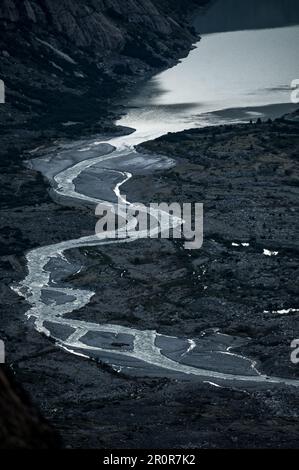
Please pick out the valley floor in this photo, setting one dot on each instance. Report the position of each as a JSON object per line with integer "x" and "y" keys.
{"x": 247, "y": 178}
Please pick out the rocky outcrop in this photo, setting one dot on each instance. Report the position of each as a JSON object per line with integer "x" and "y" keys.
{"x": 67, "y": 58}
{"x": 103, "y": 25}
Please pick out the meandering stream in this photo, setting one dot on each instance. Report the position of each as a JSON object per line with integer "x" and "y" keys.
{"x": 167, "y": 103}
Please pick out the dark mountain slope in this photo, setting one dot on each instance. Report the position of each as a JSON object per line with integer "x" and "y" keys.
{"x": 67, "y": 58}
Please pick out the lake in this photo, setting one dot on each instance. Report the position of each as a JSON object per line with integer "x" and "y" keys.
{"x": 248, "y": 72}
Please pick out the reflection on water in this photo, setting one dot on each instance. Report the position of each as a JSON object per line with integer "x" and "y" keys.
{"x": 242, "y": 69}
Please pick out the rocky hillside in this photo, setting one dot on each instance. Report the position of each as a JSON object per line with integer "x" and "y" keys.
{"x": 101, "y": 25}
{"x": 67, "y": 58}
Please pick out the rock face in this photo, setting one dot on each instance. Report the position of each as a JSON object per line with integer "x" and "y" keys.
{"x": 73, "y": 52}
{"x": 20, "y": 425}
{"x": 103, "y": 25}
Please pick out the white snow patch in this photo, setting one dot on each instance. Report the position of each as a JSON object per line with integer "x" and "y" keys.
{"x": 284, "y": 311}
{"x": 270, "y": 253}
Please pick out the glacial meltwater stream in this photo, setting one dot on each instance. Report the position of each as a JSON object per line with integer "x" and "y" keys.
{"x": 229, "y": 77}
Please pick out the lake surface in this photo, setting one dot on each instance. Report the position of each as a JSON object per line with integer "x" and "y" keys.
{"x": 229, "y": 70}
